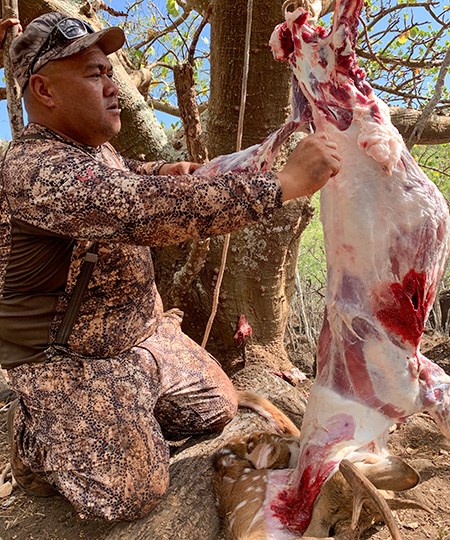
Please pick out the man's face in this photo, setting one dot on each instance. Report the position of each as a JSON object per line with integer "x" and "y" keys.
{"x": 85, "y": 104}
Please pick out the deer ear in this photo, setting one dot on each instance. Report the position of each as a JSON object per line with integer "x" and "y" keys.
{"x": 390, "y": 473}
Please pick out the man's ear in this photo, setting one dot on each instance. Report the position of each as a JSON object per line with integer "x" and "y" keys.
{"x": 40, "y": 89}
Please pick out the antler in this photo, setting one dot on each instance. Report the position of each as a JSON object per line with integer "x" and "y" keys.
{"x": 365, "y": 491}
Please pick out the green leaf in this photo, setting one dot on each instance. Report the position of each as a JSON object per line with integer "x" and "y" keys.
{"x": 173, "y": 8}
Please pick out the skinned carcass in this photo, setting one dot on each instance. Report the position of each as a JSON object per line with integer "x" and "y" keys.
{"x": 386, "y": 238}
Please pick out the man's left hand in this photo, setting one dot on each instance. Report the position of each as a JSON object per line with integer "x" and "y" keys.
{"x": 4, "y": 25}
{"x": 176, "y": 169}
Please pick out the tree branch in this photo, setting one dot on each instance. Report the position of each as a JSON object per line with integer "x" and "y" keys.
{"x": 10, "y": 9}
{"x": 196, "y": 37}
{"x": 142, "y": 79}
{"x": 183, "y": 279}
{"x": 164, "y": 107}
{"x": 100, "y": 5}
{"x": 382, "y": 59}
{"x": 437, "y": 130}
{"x": 153, "y": 36}
{"x": 386, "y": 11}
{"x": 389, "y": 90}
{"x": 430, "y": 106}
{"x": 434, "y": 169}
{"x": 200, "y": 6}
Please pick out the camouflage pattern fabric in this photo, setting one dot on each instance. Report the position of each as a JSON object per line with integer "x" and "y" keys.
{"x": 93, "y": 416}
{"x": 94, "y": 428}
{"x": 89, "y": 194}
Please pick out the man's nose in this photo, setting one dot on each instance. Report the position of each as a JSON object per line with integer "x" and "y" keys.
{"x": 110, "y": 88}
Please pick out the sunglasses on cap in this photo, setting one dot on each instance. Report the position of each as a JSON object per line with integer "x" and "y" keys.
{"x": 64, "y": 30}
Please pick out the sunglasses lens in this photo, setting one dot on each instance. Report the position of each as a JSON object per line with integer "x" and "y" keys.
{"x": 73, "y": 28}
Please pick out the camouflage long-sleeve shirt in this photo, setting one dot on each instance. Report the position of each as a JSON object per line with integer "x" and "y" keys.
{"x": 57, "y": 197}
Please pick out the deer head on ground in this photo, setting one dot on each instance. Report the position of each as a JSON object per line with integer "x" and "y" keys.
{"x": 353, "y": 498}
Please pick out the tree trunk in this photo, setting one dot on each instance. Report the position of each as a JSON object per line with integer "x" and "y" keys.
{"x": 260, "y": 270}
{"x": 268, "y": 81}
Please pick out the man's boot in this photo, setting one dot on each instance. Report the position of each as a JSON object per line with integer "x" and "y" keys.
{"x": 29, "y": 481}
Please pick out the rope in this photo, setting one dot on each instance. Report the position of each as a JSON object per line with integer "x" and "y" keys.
{"x": 248, "y": 35}
{"x": 240, "y": 131}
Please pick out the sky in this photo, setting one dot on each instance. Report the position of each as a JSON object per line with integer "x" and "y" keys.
{"x": 5, "y": 131}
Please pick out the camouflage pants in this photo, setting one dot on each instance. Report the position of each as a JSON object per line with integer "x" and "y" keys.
{"x": 94, "y": 428}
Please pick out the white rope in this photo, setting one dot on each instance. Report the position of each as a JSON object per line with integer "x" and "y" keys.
{"x": 248, "y": 35}
{"x": 240, "y": 131}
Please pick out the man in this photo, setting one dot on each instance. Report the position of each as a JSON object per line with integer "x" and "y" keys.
{"x": 102, "y": 382}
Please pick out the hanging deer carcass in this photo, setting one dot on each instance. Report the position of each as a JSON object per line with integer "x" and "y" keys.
{"x": 387, "y": 238}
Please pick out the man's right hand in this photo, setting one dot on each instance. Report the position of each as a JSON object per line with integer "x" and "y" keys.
{"x": 312, "y": 163}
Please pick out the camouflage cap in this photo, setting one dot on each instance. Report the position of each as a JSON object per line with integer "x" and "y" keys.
{"x": 54, "y": 36}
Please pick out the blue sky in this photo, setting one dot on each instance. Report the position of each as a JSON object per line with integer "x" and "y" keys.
{"x": 5, "y": 132}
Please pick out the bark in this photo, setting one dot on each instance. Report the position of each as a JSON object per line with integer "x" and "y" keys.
{"x": 268, "y": 81}
{"x": 142, "y": 79}
{"x": 436, "y": 130}
{"x": 260, "y": 273}
{"x": 15, "y": 112}
{"x": 183, "y": 74}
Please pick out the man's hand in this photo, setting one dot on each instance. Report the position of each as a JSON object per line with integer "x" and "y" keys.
{"x": 176, "y": 169}
{"x": 312, "y": 163}
{"x": 4, "y": 25}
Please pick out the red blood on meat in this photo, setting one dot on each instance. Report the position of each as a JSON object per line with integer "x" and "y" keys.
{"x": 294, "y": 505}
{"x": 403, "y": 307}
{"x": 286, "y": 43}
{"x": 340, "y": 93}
{"x": 301, "y": 19}
{"x": 243, "y": 331}
{"x": 321, "y": 31}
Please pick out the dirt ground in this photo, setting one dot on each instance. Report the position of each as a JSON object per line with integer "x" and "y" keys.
{"x": 417, "y": 440}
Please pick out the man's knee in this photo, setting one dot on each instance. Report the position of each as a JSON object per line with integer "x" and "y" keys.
{"x": 227, "y": 405}
{"x": 126, "y": 497}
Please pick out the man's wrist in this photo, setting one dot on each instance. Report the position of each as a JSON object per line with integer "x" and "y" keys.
{"x": 156, "y": 166}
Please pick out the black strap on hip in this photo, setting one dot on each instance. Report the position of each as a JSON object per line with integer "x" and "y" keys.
{"x": 79, "y": 290}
